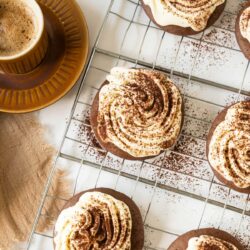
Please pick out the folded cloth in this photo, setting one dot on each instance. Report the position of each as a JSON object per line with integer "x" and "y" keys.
{"x": 25, "y": 161}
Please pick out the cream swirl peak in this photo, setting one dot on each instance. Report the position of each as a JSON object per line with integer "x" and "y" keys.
{"x": 97, "y": 221}
{"x": 140, "y": 111}
{"x": 229, "y": 149}
{"x": 245, "y": 23}
{"x": 183, "y": 13}
{"x": 209, "y": 242}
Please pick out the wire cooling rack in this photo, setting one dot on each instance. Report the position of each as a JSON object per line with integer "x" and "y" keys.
{"x": 177, "y": 190}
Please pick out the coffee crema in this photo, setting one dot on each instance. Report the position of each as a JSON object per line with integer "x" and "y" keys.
{"x": 17, "y": 27}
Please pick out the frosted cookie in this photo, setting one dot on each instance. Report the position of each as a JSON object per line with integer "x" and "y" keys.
{"x": 206, "y": 239}
{"x": 228, "y": 146}
{"x": 137, "y": 113}
{"x": 184, "y": 17}
{"x": 99, "y": 218}
{"x": 242, "y": 30}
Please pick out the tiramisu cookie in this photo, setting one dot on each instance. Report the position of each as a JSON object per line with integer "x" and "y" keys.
{"x": 137, "y": 113}
{"x": 228, "y": 146}
{"x": 206, "y": 239}
{"x": 183, "y": 17}
{"x": 99, "y": 218}
{"x": 242, "y": 30}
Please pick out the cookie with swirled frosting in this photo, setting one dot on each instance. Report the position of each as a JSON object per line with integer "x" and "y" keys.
{"x": 205, "y": 239}
{"x": 137, "y": 113}
{"x": 228, "y": 146}
{"x": 183, "y": 17}
{"x": 206, "y": 242}
{"x": 101, "y": 219}
{"x": 242, "y": 30}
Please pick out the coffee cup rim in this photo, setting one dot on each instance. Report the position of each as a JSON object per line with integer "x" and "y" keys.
{"x": 40, "y": 20}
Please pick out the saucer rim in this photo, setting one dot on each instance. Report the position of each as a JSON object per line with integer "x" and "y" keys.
{"x": 73, "y": 80}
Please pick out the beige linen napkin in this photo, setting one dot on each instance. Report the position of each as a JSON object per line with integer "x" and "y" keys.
{"x": 25, "y": 161}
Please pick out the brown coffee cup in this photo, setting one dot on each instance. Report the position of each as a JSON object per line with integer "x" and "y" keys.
{"x": 29, "y": 58}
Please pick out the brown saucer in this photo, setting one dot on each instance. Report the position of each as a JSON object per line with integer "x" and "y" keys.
{"x": 137, "y": 235}
{"x": 109, "y": 146}
{"x": 181, "y": 243}
{"x": 181, "y": 31}
{"x": 60, "y": 69}
{"x": 220, "y": 118}
{"x": 242, "y": 41}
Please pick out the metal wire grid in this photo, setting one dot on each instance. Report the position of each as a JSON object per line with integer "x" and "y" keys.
{"x": 156, "y": 183}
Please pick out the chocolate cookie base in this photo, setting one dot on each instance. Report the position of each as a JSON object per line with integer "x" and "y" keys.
{"x": 137, "y": 234}
{"x": 108, "y": 145}
{"x": 181, "y": 243}
{"x": 220, "y": 118}
{"x": 181, "y": 31}
{"x": 242, "y": 41}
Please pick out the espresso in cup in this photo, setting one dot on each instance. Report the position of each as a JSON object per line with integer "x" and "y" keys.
{"x": 23, "y": 38}
{"x": 17, "y": 27}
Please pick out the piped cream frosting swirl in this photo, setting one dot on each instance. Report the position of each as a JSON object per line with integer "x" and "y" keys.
{"x": 183, "y": 13}
{"x": 97, "y": 221}
{"x": 229, "y": 149}
{"x": 204, "y": 242}
{"x": 245, "y": 23}
{"x": 140, "y": 111}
